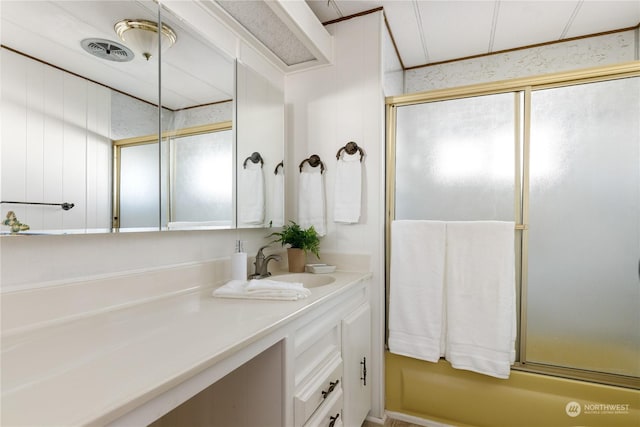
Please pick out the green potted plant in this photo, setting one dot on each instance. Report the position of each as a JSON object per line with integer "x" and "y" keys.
{"x": 300, "y": 241}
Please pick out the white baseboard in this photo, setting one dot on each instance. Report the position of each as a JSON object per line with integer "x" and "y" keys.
{"x": 376, "y": 420}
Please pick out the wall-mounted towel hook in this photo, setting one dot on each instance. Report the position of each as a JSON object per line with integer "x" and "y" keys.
{"x": 255, "y": 158}
{"x": 314, "y": 161}
{"x": 351, "y": 148}
{"x": 279, "y": 165}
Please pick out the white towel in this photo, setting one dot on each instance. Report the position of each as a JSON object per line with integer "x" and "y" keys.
{"x": 262, "y": 289}
{"x": 311, "y": 208}
{"x": 480, "y": 298}
{"x": 277, "y": 212}
{"x": 348, "y": 189}
{"x": 251, "y": 194}
{"x": 416, "y": 294}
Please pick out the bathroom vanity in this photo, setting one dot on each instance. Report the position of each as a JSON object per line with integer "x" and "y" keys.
{"x": 171, "y": 354}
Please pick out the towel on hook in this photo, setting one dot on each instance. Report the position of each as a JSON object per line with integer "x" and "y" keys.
{"x": 348, "y": 189}
{"x": 416, "y": 317}
{"x": 277, "y": 212}
{"x": 251, "y": 194}
{"x": 311, "y": 205}
{"x": 481, "y": 297}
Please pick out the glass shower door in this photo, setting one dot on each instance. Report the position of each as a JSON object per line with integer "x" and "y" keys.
{"x": 456, "y": 159}
{"x": 583, "y": 293}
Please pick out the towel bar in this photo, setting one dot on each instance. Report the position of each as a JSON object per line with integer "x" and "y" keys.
{"x": 255, "y": 158}
{"x": 279, "y": 165}
{"x": 314, "y": 161}
{"x": 65, "y": 206}
{"x": 351, "y": 148}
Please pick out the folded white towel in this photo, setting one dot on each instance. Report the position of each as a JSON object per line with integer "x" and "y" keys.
{"x": 251, "y": 194}
{"x": 348, "y": 189}
{"x": 311, "y": 207}
{"x": 416, "y": 295}
{"x": 277, "y": 210}
{"x": 231, "y": 289}
{"x": 262, "y": 289}
{"x": 480, "y": 299}
{"x": 267, "y": 285}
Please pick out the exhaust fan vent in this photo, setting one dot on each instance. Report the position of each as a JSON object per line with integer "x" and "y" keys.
{"x": 107, "y": 49}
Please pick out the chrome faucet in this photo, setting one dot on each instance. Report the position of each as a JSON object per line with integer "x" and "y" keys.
{"x": 262, "y": 263}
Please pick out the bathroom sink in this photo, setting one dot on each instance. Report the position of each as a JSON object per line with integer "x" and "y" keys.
{"x": 307, "y": 279}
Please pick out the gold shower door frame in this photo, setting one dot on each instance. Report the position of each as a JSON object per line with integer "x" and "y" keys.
{"x": 521, "y": 88}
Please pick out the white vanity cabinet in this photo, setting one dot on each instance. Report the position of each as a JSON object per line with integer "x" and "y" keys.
{"x": 330, "y": 365}
{"x": 356, "y": 354}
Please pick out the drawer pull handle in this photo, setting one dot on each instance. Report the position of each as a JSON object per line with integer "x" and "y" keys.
{"x": 364, "y": 371}
{"x": 334, "y": 419}
{"x": 332, "y": 386}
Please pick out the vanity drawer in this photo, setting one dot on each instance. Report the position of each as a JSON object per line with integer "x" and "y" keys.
{"x": 320, "y": 389}
{"x": 314, "y": 349}
{"x": 330, "y": 413}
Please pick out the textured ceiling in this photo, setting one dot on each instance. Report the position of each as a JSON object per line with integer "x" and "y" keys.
{"x": 262, "y": 22}
{"x": 431, "y": 31}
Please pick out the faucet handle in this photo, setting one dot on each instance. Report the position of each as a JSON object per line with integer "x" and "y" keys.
{"x": 264, "y": 247}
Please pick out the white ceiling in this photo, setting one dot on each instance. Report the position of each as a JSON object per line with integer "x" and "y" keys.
{"x": 425, "y": 31}
{"x": 193, "y": 72}
{"x": 431, "y": 31}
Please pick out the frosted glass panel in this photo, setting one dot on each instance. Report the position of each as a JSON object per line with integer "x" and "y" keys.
{"x": 139, "y": 187}
{"x": 584, "y": 245}
{"x": 202, "y": 188}
{"x": 455, "y": 159}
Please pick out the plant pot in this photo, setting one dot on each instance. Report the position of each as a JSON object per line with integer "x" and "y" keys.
{"x": 297, "y": 259}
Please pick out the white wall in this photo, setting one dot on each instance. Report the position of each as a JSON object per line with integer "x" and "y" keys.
{"x": 393, "y": 80}
{"x": 571, "y": 55}
{"x": 29, "y": 261}
{"x": 61, "y": 121}
{"x": 326, "y": 108}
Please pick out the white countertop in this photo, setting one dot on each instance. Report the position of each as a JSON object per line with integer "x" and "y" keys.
{"x": 94, "y": 370}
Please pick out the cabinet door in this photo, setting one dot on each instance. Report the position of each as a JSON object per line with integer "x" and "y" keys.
{"x": 356, "y": 353}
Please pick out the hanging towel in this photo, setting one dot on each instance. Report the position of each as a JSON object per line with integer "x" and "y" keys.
{"x": 416, "y": 317}
{"x": 348, "y": 189}
{"x": 277, "y": 216}
{"x": 311, "y": 208}
{"x": 262, "y": 289}
{"x": 251, "y": 194}
{"x": 480, "y": 298}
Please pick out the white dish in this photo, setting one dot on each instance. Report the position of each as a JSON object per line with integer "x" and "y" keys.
{"x": 320, "y": 268}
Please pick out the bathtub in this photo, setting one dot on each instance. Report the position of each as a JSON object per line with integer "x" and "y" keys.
{"x": 441, "y": 394}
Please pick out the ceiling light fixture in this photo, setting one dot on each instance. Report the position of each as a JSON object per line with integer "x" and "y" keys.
{"x": 142, "y": 36}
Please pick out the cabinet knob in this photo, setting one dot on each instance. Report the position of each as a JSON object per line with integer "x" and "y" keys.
{"x": 332, "y": 386}
{"x": 334, "y": 419}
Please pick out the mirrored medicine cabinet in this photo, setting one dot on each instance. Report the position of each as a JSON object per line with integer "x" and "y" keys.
{"x": 82, "y": 124}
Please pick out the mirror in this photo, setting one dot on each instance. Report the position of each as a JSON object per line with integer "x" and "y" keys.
{"x": 260, "y": 146}
{"x": 83, "y": 130}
